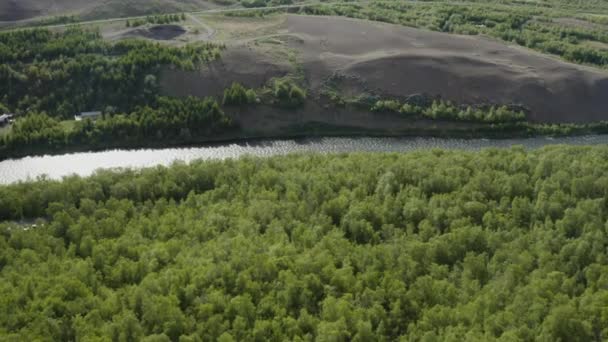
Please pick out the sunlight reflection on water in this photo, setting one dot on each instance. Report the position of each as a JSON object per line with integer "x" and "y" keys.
{"x": 84, "y": 164}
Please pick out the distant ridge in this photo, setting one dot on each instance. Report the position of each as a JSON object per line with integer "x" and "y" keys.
{"x": 16, "y": 10}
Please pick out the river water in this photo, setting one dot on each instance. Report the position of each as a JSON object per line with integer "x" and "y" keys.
{"x": 83, "y": 164}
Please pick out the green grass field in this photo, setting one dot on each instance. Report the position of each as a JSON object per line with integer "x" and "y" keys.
{"x": 4, "y": 130}
{"x": 68, "y": 125}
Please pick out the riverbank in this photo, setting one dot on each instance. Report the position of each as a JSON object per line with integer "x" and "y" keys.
{"x": 86, "y": 163}
{"x": 320, "y": 130}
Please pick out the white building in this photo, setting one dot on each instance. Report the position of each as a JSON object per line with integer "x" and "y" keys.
{"x": 87, "y": 115}
{"x": 5, "y": 119}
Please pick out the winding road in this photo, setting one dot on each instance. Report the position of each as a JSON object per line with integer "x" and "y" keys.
{"x": 210, "y": 30}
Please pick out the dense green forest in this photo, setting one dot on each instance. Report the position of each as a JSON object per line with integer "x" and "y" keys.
{"x": 73, "y": 71}
{"x": 506, "y": 245}
{"x": 47, "y": 77}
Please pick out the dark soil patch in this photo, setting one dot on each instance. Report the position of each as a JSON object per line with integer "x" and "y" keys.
{"x": 157, "y": 32}
{"x": 11, "y": 10}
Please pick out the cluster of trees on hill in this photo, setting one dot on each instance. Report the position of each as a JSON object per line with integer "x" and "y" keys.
{"x": 445, "y": 110}
{"x": 528, "y": 25}
{"x": 167, "y": 120}
{"x": 434, "y": 245}
{"x": 66, "y": 73}
{"x": 156, "y": 19}
{"x": 287, "y": 93}
{"x": 282, "y": 92}
{"x": 236, "y": 94}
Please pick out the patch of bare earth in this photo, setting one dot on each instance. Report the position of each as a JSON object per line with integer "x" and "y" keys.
{"x": 246, "y": 65}
{"x": 265, "y": 120}
{"x": 156, "y": 32}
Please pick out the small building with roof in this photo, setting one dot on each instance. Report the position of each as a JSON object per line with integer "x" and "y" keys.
{"x": 5, "y": 119}
{"x": 87, "y": 115}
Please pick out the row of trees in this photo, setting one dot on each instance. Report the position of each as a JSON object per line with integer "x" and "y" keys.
{"x": 156, "y": 19}
{"x": 439, "y": 245}
{"x": 283, "y": 92}
{"x": 445, "y": 110}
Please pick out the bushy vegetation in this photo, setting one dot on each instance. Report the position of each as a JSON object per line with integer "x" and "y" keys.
{"x": 253, "y": 13}
{"x": 488, "y": 114}
{"x": 166, "y": 120}
{"x": 446, "y": 110}
{"x": 281, "y": 92}
{"x": 156, "y": 19}
{"x": 448, "y": 246}
{"x": 526, "y": 24}
{"x": 66, "y": 73}
{"x": 287, "y": 93}
{"x": 239, "y": 95}
{"x": 386, "y": 106}
{"x": 57, "y": 20}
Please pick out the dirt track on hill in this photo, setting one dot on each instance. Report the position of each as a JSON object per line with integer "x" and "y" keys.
{"x": 399, "y": 61}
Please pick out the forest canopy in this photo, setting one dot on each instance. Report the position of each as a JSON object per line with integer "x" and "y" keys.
{"x": 506, "y": 245}
{"x": 65, "y": 73}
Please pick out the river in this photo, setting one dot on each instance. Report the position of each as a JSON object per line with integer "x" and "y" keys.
{"x": 83, "y": 164}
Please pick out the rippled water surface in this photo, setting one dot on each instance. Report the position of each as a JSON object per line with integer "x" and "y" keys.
{"x": 83, "y": 164}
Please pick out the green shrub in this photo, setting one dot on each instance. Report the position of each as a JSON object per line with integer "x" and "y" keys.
{"x": 288, "y": 94}
{"x": 445, "y": 110}
{"x": 386, "y": 106}
{"x": 238, "y": 95}
{"x": 410, "y": 110}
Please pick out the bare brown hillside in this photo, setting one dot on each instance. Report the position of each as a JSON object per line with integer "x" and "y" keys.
{"x": 396, "y": 61}
{"x": 401, "y": 61}
{"x": 13, "y": 10}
